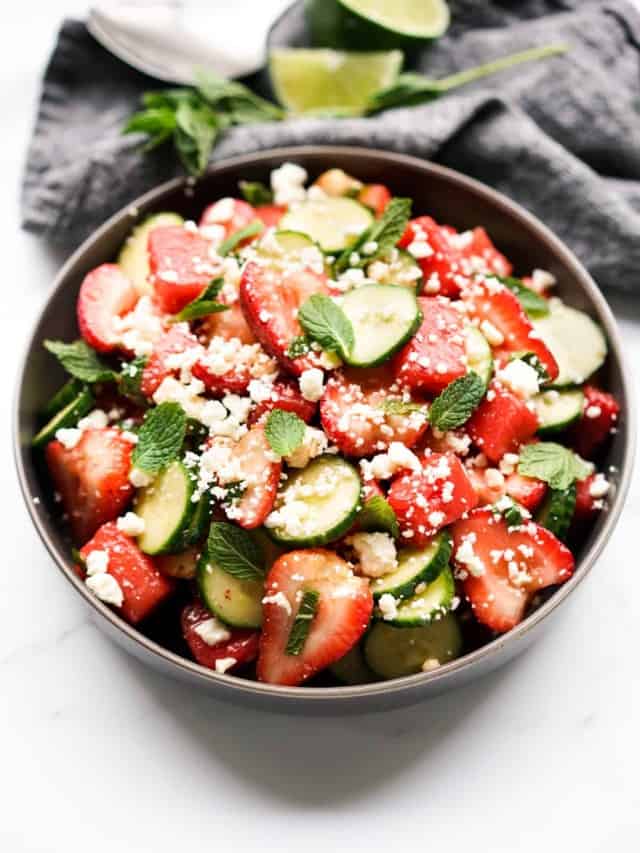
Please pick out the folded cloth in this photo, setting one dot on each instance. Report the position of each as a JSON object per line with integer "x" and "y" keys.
{"x": 559, "y": 136}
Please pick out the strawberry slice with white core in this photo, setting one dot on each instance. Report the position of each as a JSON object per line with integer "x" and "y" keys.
{"x": 271, "y": 299}
{"x": 502, "y": 567}
{"x": 353, "y": 413}
{"x": 250, "y": 468}
{"x": 491, "y": 302}
{"x": 343, "y": 612}
{"x": 215, "y": 645}
{"x": 425, "y": 501}
{"x": 436, "y": 355}
{"x": 105, "y": 293}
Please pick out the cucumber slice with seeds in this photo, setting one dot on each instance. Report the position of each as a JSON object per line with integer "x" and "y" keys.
{"x": 237, "y": 602}
{"x": 479, "y": 356}
{"x": 575, "y": 340}
{"x": 415, "y": 565}
{"x": 427, "y": 604}
{"x": 383, "y": 317}
{"x": 317, "y": 504}
{"x": 393, "y": 652}
{"x": 333, "y": 223}
{"x": 557, "y": 410}
{"x": 133, "y": 259}
{"x": 173, "y": 521}
{"x": 65, "y": 418}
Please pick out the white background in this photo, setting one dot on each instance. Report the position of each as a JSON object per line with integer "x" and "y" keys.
{"x": 99, "y": 753}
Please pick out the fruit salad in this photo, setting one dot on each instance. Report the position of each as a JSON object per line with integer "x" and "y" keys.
{"x": 318, "y": 437}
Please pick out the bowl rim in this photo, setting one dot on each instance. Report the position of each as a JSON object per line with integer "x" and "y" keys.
{"x": 406, "y": 684}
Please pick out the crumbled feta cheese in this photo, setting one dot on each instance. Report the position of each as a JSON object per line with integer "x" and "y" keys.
{"x": 312, "y": 384}
{"x": 131, "y": 524}
{"x": 430, "y": 664}
{"x": 138, "y": 330}
{"x": 542, "y": 280}
{"x": 388, "y": 606}
{"x": 287, "y": 184}
{"x": 593, "y": 411}
{"x": 139, "y": 478}
{"x": 376, "y": 553}
{"x": 599, "y": 486}
{"x": 97, "y": 419}
{"x": 212, "y": 631}
{"x": 370, "y": 247}
{"x": 238, "y": 407}
{"x": 419, "y": 249}
{"x": 106, "y": 588}
{"x": 493, "y": 335}
{"x": 314, "y": 443}
{"x": 494, "y": 478}
{"x": 260, "y": 390}
{"x": 280, "y": 600}
{"x": 520, "y": 377}
{"x": 223, "y": 664}
{"x": 222, "y": 211}
{"x": 508, "y": 463}
{"x": 467, "y": 556}
{"x": 97, "y": 562}
{"x": 69, "y": 437}
{"x": 129, "y": 436}
{"x": 384, "y": 465}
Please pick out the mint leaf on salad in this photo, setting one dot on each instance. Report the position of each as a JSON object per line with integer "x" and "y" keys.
{"x": 327, "y": 324}
{"x": 385, "y": 233}
{"x": 235, "y": 551}
{"x": 455, "y": 405}
{"x": 556, "y": 465}
{"x": 533, "y": 304}
{"x": 302, "y": 623}
{"x": 204, "y": 304}
{"x": 237, "y": 237}
{"x": 81, "y": 361}
{"x": 160, "y": 438}
{"x": 284, "y": 431}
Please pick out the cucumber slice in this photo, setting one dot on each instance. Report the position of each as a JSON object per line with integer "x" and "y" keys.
{"x": 556, "y": 512}
{"x": 62, "y": 398}
{"x": 393, "y": 652}
{"x": 383, "y": 317}
{"x": 133, "y": 259}
{"x": 479, "y": 356}
{"x": 182, "y": 566}
{"x": 415, "y": 565}
{"x": 575, "y": 340}
{"x": 237, "y": 602}
{"x": 317, "y": 504}
{"x": 172, "y": 520}
{"x": 352, "y": 668}
{"x": 282, "y": 249}
{"x": 429, "y": 604}
{"x": 333, "y": 223}
{"x": 400, "y": 269}
{"x": 557, "y": 410}
{"x": 65, "y": 418}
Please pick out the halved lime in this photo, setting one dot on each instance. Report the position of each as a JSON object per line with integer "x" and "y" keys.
{"x": 376, "y": 24}
{"x": 330, "y": 81}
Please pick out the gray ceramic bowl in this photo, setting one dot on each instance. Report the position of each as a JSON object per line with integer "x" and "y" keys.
{"x": 451, "y": 198}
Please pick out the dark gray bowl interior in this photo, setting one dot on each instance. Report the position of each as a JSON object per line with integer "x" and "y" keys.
{"x": 450, "y": 198}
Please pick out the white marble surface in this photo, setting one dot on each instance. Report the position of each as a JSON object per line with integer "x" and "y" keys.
{"x": 97, "y": 752}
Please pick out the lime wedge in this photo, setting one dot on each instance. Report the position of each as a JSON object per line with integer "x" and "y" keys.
{"x": 376, "y": 24}
{"x": 330, "y": 81}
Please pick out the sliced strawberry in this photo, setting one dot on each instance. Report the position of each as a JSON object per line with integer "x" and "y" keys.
{"x": 353, "y": 416}
{"x": 241, "y": 645}
{"x": 436, "y": 354}
{"x": 270, "y": 214}
{"x": 92, "y": 478}
{"x": 105, "y": 293}
{"x": 489, "y": 300}
{"x": 286, "y": 395}
{"x": 342, "y": 616}
{"x": 484, "y": 256}
{"x": 232, "y": 214}
{"x": 587, "y": 507}
{"x": 527, "y": 491}
{"x": 502, "y": 567}
{"x": 453, "y": 441}
{"x": 501, "y": 423}
{"x": 180, "y": 266}
{"x": 376, "y": 197}
{"x": 442, "y": 266}
{"x": 143, "y": 586}
{"x": 428, "y": 500}
{"x": 227, "y": 324}
{"x": 270, "y": 300}
{"x": 227, "y": 367}
{"x": 600, "y": 415}
{"x": 177, "y": 340}
{"x": 252, "y": 462}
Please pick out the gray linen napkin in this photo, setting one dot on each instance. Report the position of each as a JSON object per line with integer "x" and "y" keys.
{"x": 561, "y": 136}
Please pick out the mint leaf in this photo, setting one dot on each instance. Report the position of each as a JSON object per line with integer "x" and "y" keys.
{"x": 237, "y": 237}
{"x": 204, "y": 304}
{"x": 385, "y": 231}
{"x": 533, "y": 304}
{"x": 284, "y": 431}
{"x": 302, "y": 624}
{"x": 300, "y": 345}
{"x": 255, "y": 193}
{"x": 532, "y": 360}
{"x": 160, "y": 438}
{"x": 377, "y": 514}
{"x": 326, "y": 323}
{"x": 235, "y": 100}
{"x": 511, "y": 511}
{"x": 556, "y": 465}
{"x": 235, "y": 551}
{"x": 195, "y": 134}
{"x": 399, "y": 407}
{"x": 455, "y": 405}
{"x": 158, "y": 123}
{"x": 81, "y": 361}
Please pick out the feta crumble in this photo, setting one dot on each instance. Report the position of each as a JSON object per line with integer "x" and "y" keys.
{"x": 376, "y": 553}
{"x": 287, "y": 183}
{"x": 212, "y": 631}
{"x": 106, "y": 588}
{"x": 97, "y": 562}
{"x": 131, "y": 524}
{"x": 311, "y": 384}
{"x": 520, "y": 377}
{"x": 388, "y": 606}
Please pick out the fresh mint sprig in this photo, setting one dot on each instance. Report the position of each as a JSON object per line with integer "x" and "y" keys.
{"x": 81, "y": 361}
{"x": 455, "y": 405}
{"x": 384, "y": 233}
{"x": 237, "y": 237}
{"x": 533, "y": 304}
{"x": 160, "y": 438}
{"x": 302, "y": 624}
{"x": 325, "y": 322}
{"x": 204, "y": 304}
{"x": 235, "y": 551}
{"x": 555, "y": 464}
{"x": 284, "y": 431}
